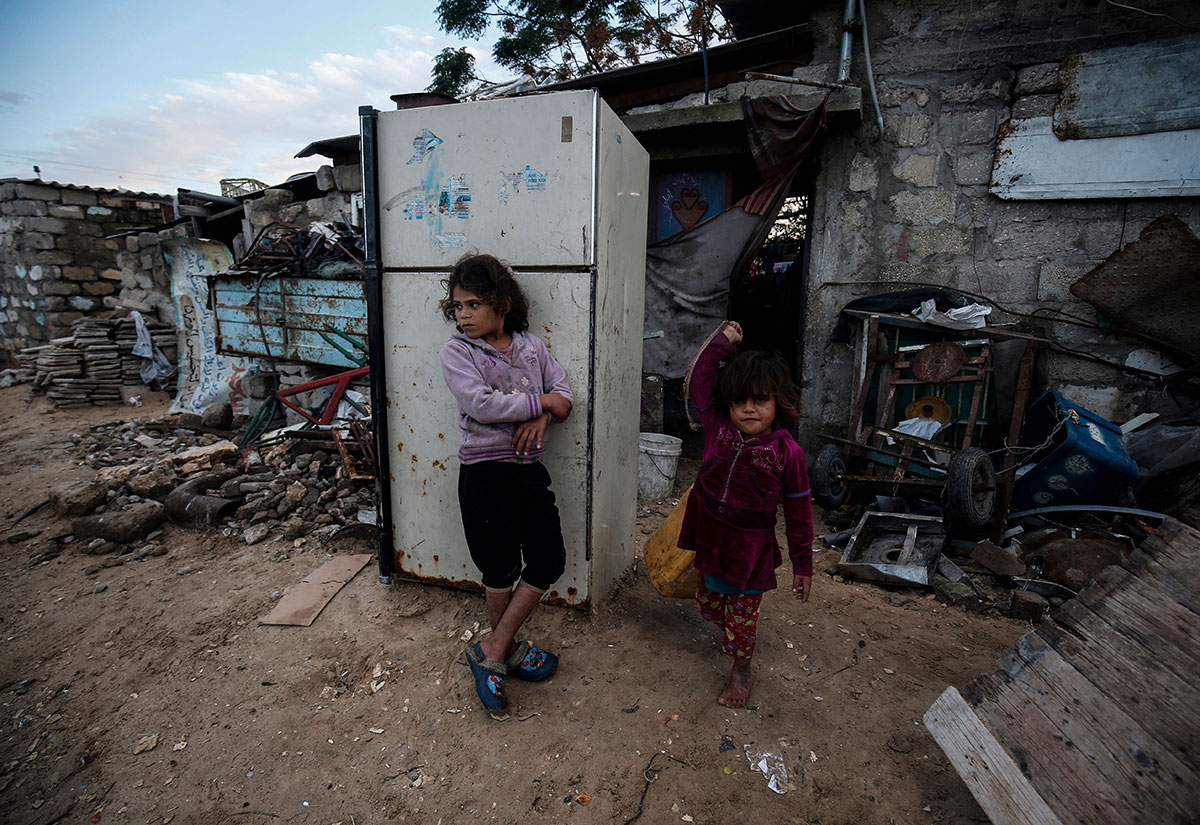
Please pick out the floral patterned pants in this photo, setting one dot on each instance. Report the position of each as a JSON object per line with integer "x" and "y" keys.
{"x": 735, "y": 613}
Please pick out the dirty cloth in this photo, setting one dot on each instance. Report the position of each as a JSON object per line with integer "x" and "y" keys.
{"x": 735, "y": 613}
{"x": 155, "y": 369}
{"x": 893, "y": 303}
{"x": 688, "y": 274}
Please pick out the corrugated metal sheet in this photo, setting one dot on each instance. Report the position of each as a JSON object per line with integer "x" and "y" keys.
{"x": 1133, "y": 90}
{"x": 1032, "y": 164}
{"x": 124, "y": 193}
{"x": 294, "y": 312}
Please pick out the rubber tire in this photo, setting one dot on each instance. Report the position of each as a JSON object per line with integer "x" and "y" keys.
{"x": 825, "y": 477}
{"x": 968, "y": 506}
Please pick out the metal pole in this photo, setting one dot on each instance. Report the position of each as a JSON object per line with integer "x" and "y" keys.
{"x": 847, "y": 40}
{"x": 373, "y": 287}
{"x": 782, "y": 78}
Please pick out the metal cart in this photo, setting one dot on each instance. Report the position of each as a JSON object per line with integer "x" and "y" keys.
{"x": 946, "y": 381}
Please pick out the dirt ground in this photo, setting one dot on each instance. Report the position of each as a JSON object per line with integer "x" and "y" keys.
{"x": 261, "y": 724}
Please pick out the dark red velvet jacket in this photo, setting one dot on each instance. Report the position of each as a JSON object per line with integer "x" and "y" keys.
{"x": 730, "y": 516}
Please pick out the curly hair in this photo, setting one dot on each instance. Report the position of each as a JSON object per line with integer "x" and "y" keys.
{"x": 758, "y": 373}
{"x": 492, "y": 281}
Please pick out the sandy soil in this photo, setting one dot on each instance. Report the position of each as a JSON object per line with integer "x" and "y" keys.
{"x": 258, "y": 724}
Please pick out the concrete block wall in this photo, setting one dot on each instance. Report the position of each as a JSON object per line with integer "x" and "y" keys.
{"x": 912, "y": 206}
{"x": 57, "y": 261}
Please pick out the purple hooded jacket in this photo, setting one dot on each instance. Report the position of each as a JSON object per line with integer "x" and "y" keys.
{"x": 730, "y": 516}
{"x": 495, "y": 394}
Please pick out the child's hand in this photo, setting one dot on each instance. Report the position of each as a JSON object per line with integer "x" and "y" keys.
{"x": 529, "y": 434}
{"x": 801, "y": 585}
{"x": 733, "y": 331}
{"x": 555, "y": 404}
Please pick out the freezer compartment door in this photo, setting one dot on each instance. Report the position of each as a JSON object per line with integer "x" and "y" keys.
{"x": 513, "y": 177}
{"x": 423, "y": 433}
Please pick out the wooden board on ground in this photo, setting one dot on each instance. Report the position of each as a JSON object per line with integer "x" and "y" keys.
{"x": 1094, "y": 716}
{"x": 301, "y": 604}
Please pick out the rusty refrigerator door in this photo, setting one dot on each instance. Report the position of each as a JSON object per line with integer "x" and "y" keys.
{"x": 554, "y": 185}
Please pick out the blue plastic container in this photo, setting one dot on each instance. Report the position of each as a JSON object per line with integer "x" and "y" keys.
{"x": 1085, "y": 463}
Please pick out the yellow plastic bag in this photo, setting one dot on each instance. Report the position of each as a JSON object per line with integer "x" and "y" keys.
{"x": 671, "y": 569}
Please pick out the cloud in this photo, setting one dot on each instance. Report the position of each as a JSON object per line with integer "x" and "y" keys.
{"x": 239, "y": 124}
{"x": 11, "y": 100}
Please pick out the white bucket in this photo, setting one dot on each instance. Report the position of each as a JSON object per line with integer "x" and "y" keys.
{"x": 658, "y": 458}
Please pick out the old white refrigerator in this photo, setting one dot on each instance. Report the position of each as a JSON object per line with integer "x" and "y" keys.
{"x": 555, "y": 185}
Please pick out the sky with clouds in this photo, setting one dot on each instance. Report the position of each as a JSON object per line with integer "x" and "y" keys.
{"x": 155, "y": 96}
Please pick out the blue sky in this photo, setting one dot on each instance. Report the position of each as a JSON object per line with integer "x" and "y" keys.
{"x": 154, "y": 96}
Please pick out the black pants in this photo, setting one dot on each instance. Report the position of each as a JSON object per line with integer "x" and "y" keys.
{"x": 511, "y": 523}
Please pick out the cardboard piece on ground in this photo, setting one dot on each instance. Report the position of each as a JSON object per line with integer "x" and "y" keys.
{"x": 301, "y": 604}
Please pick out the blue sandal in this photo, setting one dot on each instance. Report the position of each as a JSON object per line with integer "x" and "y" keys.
{"x": 489, "y": 678}
{"x": 531, "y": 664}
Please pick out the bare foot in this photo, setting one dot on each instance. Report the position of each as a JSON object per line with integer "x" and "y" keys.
{"x": 737, "y": 689}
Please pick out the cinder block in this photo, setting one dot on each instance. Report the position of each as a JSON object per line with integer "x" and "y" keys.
{"x": 34, "y": 192}
{"x": 348, "y": 177}
{"x": 79, "y": 197}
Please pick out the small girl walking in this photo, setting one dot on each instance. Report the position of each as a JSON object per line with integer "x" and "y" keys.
{"x": 508, "y": 388}
{"x": 751, "y": 464}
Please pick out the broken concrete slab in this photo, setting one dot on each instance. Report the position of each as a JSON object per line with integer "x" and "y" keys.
{"x": 121, "y": 527}
{"x": 77, "y": 498}
{"x": 155, "y": 483}
{"x": 955, "y": 593}
{"x": 998, "y": 560}
{"x": 218, "y": 416}
{"x": 218, "y": 453}
{"x": 257, "y": 532}
{"x": 1027, "y": 605}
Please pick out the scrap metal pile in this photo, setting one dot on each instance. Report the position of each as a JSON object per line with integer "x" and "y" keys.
{"x": 323, "y": 249}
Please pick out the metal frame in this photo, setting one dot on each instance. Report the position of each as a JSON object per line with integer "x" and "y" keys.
{"x": 373, "y": 286}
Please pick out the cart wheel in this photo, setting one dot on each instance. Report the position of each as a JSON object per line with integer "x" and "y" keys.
{"x": 826, "y": 477}
{"x": 971, "y": 489}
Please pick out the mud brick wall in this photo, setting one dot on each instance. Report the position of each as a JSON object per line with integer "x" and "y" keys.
{"x": 58, "y": 261}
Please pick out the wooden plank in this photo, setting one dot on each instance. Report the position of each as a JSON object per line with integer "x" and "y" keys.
{"x": 1119, "y": 747}
{"x": 1141, "y": 611}
{"x": 1176, "y": 546}
{"x": 1120, "y": 668}
{"x": 1002, "y": 791}
{"x": 1063, "y": 775}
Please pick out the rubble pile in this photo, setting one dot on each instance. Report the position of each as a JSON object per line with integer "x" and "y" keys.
{"x": 92, "y": 364}
{"x": 296, "y": 490}
{"x": 1043, "y": 561}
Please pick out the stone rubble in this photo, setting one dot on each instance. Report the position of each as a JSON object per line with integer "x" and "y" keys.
{"x": 293, "y": 490}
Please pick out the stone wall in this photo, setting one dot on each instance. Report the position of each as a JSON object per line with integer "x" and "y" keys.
{"x": 58, "y": 262}
{"x": 912, "y": 206}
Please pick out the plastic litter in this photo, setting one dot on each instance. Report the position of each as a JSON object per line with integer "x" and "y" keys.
{"x": 769, "y": 765}
{"x": 972, "y": 316}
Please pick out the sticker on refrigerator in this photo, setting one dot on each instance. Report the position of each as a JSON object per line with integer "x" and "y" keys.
{"x": 455, "y": 198}
{"x": 423, "y": 144}
{"x": 535, "y": 181}
{"x": 449, "y": 240}
{"x": 414, "y": 209}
